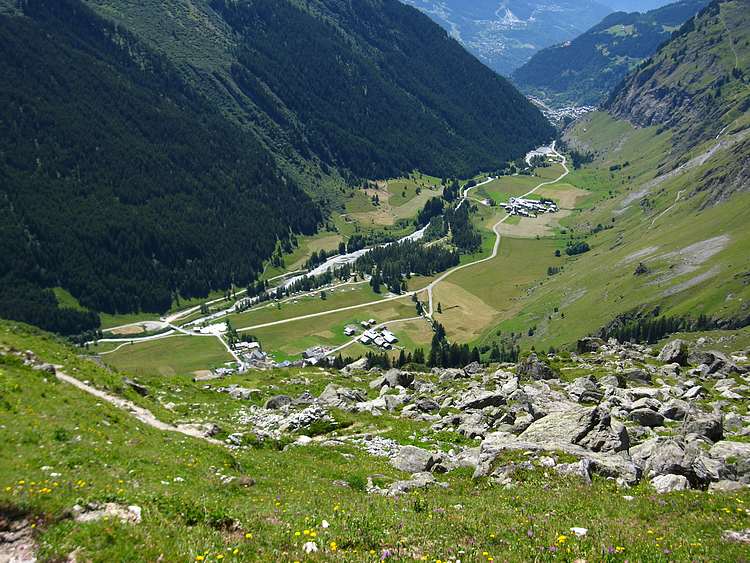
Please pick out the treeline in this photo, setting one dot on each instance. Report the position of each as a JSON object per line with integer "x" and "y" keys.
{"x": 446, "y": 355}
{"x": 390, "y": 264}
{"x": 651, "y": 329}
{"x": 117, "y": 181}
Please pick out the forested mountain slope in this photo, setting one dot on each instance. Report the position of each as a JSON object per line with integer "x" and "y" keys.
{"x": 699, "y": 82}
{"x": 372, "y": 88}
{"x": 119, "y": 183}
{"x": 156, "y": 149}
{"x": 585, "y": 71}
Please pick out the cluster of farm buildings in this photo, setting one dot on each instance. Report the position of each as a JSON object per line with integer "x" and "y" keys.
{"x": 529, "y": 207}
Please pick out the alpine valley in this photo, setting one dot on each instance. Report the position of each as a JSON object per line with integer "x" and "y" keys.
{"x": 309, "y": 280}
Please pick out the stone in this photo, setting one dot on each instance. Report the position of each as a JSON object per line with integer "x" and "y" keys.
{"x": 427, "y": 405}
{"x": 142, "y": 390}
{"x": 675, "y": 352}
{"x": 474, "y": 368}
{"x": 535, "y": 369}
{"x": 591, "y": 428}
{"x": 93, "y": 512}
{"x": 735, "y": 457}
{"x": 358, "y": 365}
{"x": 585, "y": 390}
{"x": 725, "y": 486}
{"x": 589, "y": 344}
{"x": 417, "y": 481}
{"x": 638, "y": 376}
{"x": 412, "y": 459}
{"x": 481, "y": 399}
{"x": 742, "y": 536}
{"x": 278, "y": 402}
{"x": 646, "y": 417}
{"x": 694, "y": 393}
{"x": 646, "y": 403}
{"x": 670, "y": 483}
{"x": 340, "y": 397}
{"x": 710, "y": 427}
{"x": 394, "y": 378}
{"x": 675, "y": 409}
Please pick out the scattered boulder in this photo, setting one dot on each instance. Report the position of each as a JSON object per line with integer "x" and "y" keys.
{"x": 417, "y": 481}
{"x": 142, "y": 390}
{"x": 591, "y": 428}
{"x": 737, "y": 537}
{"x": 95, "y": 511}
{"x": 535, "y": 369}
{"x": 710, "y": 427}
{"x": 646, "y": 417}
{"x": 393, "y": 378}
{"x": 427, "y": 405}
{"x": 337, "y": 396}
{"x": 481, "y": 399}
{"x": 358, "y": 365}
{"x": 675, "y": 409}
{"x": 585, "y": 390}
{"x": 589, "y": 344}
{"x": 735, "y": 457}
{"x": 412, "y": 459}
{"x": 676, "y": 352}
{"x": 278, "y": 402}
{"x": 670, "y": 483}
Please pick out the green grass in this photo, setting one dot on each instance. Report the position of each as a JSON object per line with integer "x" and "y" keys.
{"x": 44, "y": 423}
{"x": 175, "y": 355}
{"x": 600, "y": 284}
{"x": 299, "y": 306}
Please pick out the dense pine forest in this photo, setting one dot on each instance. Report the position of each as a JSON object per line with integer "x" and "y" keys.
{"x": 117, "y": 181}
{"x": 377, "y": 88}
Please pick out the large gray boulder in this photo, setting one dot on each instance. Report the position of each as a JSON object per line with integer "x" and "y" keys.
{"x": 340, "y": 397}
{"x": 676, "y": 352}
{"x": 646, "y": 417}
{"x": 670, "y": 483}
{"x": 277, "y": 402}
{"x": 412, "y": 459}
{"x": 535, "y": 369}
{"x": 735, "y": 457}
{"x": 481, "y": 399}
{"x": 591, "y": 428}
{"x": 585, "y": 390}
{"x": 675, "y": 409}
{"x": 710, "y": 427}
{"x": 715, "y": 363}
{"x": 589, "y": 344}
{"x": 393, "y": 378}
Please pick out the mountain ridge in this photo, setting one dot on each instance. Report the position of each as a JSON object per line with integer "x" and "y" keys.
{"x": 584, "y": 71}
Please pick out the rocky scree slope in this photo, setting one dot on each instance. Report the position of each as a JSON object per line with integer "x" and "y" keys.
{"x": 618, "y": 411}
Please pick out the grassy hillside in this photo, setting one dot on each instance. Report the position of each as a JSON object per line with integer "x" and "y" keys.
{"x": 585, "y": 70}
{"x": 257, "y": 502}
{"x": 687, "y": 231}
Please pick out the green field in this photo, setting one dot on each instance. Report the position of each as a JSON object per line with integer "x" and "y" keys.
{"x": 179, "y": 355}
{"x": 298, "y": 306}
{"x": 289, "y": 340}
{"x": 672, "y": 235}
